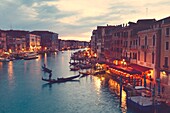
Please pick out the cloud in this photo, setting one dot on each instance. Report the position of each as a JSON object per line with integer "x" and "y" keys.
{"x": 31, "y": 2}
{"x": 76, "y": 18}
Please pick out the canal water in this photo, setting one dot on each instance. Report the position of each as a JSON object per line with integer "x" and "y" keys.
{"x": 23, "y": 91}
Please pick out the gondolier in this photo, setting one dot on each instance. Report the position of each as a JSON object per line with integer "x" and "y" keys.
{"x": 50, "y": 75}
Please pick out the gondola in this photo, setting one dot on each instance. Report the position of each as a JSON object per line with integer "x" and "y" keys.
{"x": 73, "y": 63}
{"x": 74, "y": 68}
{"x": 61, "y": 80}
{"x": 83, "y": 74}
{"x": 46, "y": 69}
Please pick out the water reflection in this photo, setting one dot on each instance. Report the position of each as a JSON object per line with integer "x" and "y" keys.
{"x": 90, "y": 95}
{"x": 97, "y": 83}
{"x": 45, "y": 58}
{"x": 10, "y": 73}
{"x": 1, "y": 64}
{"x": 123, "y": 104}
{"x": 10, "y": 70}
{"x": 115, "y": 88}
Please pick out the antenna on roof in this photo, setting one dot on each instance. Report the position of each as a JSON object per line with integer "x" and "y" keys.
{"x": 146, "y": 12}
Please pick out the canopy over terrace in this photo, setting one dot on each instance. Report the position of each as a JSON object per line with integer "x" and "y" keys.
{"x": 140, "y": 68}
{"x": 128, "y": 70}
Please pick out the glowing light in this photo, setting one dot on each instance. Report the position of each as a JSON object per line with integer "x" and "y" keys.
{"x": 95, "y": 55}
{"x": 115, "y": 62}
{"x": 45, "y": 48}
{"x": 97, "y": 83}
{"x": 10, "y": 71}
{"x": 10, "y": 51}
{"x": 164, "y": 73}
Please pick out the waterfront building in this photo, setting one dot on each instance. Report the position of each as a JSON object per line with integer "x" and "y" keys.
{"x": 108, "y": 31}
{"x": 33, "y": 42}
{"x": 16, "y": 40}
{"x": 148, "y": 54}
{"x": 164, "y": 24}
{"x": 3, "y": 46}
{"x": 144, "y": 45}
{"x": 72, "y": 44}
{"x": 93, "y": 41}
{"x": 117, "y": 43}
{"x": 100, "y": 41}
{"x": 49, "y": 40}
{"x": 130, "y": 38}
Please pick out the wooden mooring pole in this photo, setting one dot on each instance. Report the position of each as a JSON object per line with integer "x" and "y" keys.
{"x": 120, "y": 90}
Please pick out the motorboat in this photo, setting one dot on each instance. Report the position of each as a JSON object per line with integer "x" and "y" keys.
{"x": 3, "y": 59}
{"x": 30, "y": 56}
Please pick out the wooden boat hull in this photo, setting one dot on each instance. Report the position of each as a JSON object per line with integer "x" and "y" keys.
{"x": 61, "y": 80}
{"x": 83, "y": 74}
{"x": 74, "y": 69}
{"x": 30, "y": 58}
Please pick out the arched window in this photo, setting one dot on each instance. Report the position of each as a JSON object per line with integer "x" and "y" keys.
{"x": 146, "y": 40}
{"x": 139, "y": 41}
{"x": 153, "y": 40}
{"x": 153, "y": 58}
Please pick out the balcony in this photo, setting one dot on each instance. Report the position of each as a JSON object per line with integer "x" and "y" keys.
{"x": 144, "y": 47}
{"x": 1, "y": 46}
{"x": 165, "y": 66}
{"x": 133, "y": 47}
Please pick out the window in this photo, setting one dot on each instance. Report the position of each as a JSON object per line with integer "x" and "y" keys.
{"x": 146, "y": 40}
{"x": 167, "y": 45}
{"x": 153, "y": 58}
{"x": 133, "y": 42}
{"x": 139, "y": 41}
{"x": 138, "y": 55}
{"x": 144, "y": 56}
{"x": 167, "y": 31}
{"x": 153, "y": 40}
{"x": 166, "y": 62}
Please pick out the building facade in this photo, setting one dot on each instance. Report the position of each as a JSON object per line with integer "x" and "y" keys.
{"x": 3, "y": 45}
{"x": 164, "y": 24}
{"x": 144, "y": 45}
{"x": 49, "y": 40}
{"x": 33, "y": 42}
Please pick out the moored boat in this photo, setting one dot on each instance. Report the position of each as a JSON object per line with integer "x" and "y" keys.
{"x": 75, "y": 68}
{"x": 83, "y": 74}
{"x": 30, "y": 56}
{"x": 142, "y": 104}
{"x": 2, "y": 59}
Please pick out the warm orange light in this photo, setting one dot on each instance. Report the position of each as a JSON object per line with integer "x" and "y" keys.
{"x": 45, "y": 48}
{"x": 164, "y": 73}
{"x": 115, "y": 62}
{"x": 95, "y": 55}
{"x": 10, "y": 51}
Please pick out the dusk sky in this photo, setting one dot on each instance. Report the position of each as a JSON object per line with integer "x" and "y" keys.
{"x": 75, "y": 19}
